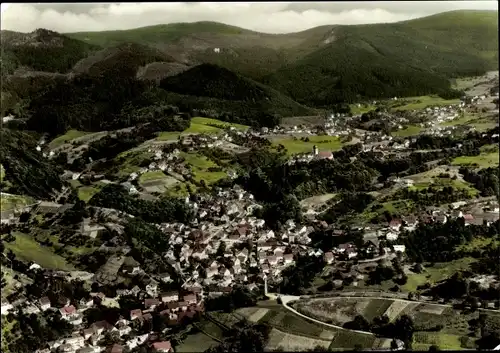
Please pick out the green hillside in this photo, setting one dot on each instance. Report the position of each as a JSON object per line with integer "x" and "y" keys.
{"x": 398, "y": 59}
{"x": 27, "y": 172}
{"x": 327, "y": 64}
{"x": 209, "y": 86}
{"x": 318, "y": 67}
{"x": 41, "y": 50}
{"x": 125, "y": 57}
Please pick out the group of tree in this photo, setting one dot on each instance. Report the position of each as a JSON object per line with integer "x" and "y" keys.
{"x": 433, "y": 195}
{"x": 485, "y": 180}
{"x": 27, "y": 171}
{"x": 437, "y": 242}
{"x": 165, "y": 209}
{"x": 239, "y": 297}
{"x": 402, "y": 328}
{"x": 298, "y": 278}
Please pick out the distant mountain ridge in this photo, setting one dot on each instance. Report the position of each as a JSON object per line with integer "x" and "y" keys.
{"x": 318, "y": 67}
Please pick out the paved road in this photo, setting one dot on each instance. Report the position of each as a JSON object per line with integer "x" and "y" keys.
{"x": 285, "y": 299}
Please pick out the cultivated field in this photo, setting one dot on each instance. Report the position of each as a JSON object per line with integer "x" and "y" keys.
{"x": 12, "y": 202}
{"x": 197, "y": 342}
{"x": 397, "y": 307}
{"x": 293, "y": 343}
{"x": 338, "y": 311}
{"x": 349, "y": 340}
{"x": 296, "y": 145}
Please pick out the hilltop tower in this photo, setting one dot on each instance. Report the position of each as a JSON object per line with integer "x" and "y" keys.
{"x": 315, "y": 150}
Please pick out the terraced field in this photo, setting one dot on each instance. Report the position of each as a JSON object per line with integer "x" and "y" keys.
{"x": 338, "y": 311}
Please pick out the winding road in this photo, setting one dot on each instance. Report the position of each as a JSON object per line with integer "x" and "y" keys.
{"x": 285, "y": 299}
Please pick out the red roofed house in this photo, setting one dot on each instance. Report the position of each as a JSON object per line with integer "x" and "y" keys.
{"x": 135, "y": 314}
{"x": 328, "y": 257}
{"x": 324, "y": 155}
{"x": 164, "y": 346}
{"x": 68, "y": 312}
{"x": 395, "y": 224}
{"x": 190, "y": 299}
{"x": 343, "y": 247}
{"x": 151, "y": 303}
{"x": 468, "y": 218}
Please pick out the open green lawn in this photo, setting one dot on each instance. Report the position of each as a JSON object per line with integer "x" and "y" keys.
{"x": 422, "y": 102}
{"x": 438, "y": 182}
{"x": 168, "y": 136}
{"x": 180, "y": 189}
{"x": 217, "y": 123}
{"x": 129, "y": 161}
{"x": 484, "y": 160}
{"x": 423, "y": 340}
{"x": 395, "y": 207}
{"x": 200, "y": 165}
{"x": 196, "y": 128}
{"x": 365, "y": 108}
{"x": 28, "y": 249}
{"x": 68, "y": 136}
{"x": 294, "y": 146}
{"x": 409, "y": 130}
{"x": 456, "y": 184}
{"x": 438, "y": 272}
{"x": 85, "y": 193}
{"x": 10, "y": 202}
{"x": 481, "y": 123}
{"x": 196, "y": 342}
{"x": 154, "y": 175}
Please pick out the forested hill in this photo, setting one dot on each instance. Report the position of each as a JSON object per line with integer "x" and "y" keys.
{"x": 336, "y": 63}
{"x": 315, "y": 68}
{"x": 27, "y": 172}
{"x": 42, "y": 50}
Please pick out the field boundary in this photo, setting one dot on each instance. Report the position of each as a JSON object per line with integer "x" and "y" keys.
{"x": 206, "y": 333}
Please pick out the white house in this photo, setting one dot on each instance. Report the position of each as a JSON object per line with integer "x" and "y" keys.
{"x": 391, "y": 236}
{"x": 401, "y": 248}
{"x": 6, "y": 308}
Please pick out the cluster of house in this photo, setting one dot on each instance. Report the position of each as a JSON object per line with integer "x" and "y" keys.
{"x": 226, "y": 219}
{"x": 390, "y": 233}
{"x": 314, "y": 155}
{"x": 90, "y": 340}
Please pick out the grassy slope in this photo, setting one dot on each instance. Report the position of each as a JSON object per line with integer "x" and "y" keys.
{"x": 28, "y": 249}
{"x": 324, "y": 143}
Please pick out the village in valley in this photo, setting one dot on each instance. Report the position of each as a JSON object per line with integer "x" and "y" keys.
{"x": 184, "y": 284}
